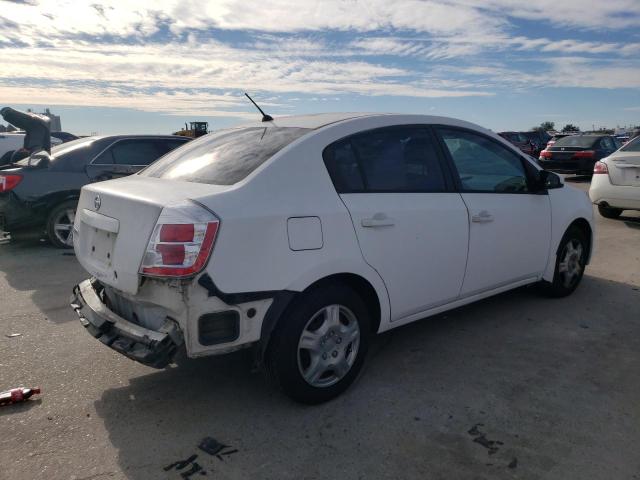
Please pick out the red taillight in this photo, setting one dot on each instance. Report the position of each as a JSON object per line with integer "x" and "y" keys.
{"x": 181, "y": 242}
{"x": 584, "y": 154}
{"x": 9, "y": 182}
{"x": 177, "y": 233}
{"x": 545, "y": 154}
{"x": 600, "y": 167}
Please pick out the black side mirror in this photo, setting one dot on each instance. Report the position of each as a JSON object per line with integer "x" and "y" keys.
{"x": 548, "y": 180}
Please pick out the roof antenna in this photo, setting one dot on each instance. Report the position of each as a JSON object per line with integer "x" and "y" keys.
{"x": 265, "y": 117}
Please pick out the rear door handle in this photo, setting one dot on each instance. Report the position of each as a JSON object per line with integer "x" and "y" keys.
{"x": 378, "y": 220}
{"x": 482, "y": 217}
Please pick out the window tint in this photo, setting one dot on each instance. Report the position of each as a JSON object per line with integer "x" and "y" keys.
{"x": 483, "y": 165}
{"x": 632, "y": 146}
{"x": 608, "y": 144}
{"x": 74, "y": 156}
{"x": 135, "y": 152}
{"x": 225, "y": 157}
{"x": 386, "y": 160}
{"x": 343, "y": 167}
{"x": 168, "y": 145}
{"x": 577, "y": 141}
{"x": 105, "y": 158}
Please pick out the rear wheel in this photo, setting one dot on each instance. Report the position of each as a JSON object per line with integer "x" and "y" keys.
{"x": 320, "y": 344}
{"x": 570, "y": 264}
{"x": 608, "y": 212}
{"x": 60, "y": 224}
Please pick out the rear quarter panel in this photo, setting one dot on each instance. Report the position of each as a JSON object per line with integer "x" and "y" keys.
{"x": 252, "y": 251}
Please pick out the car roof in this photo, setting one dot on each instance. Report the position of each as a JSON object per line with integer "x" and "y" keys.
{"x": 320, "y": 120}
{"x": 121, "y": 136}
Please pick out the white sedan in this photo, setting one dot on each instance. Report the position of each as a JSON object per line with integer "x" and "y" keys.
{"x": 302, "y": 237}
{"x": 615, "y": 185}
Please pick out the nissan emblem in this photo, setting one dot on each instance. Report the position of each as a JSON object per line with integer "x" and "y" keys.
{"x": 97, "y": 202}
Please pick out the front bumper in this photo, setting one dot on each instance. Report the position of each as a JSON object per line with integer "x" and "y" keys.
{"x": 149, "y": 347}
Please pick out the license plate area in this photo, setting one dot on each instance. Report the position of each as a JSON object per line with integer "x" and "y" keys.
{"x": 631, "y": 176}
{"x": 99, "y": 245}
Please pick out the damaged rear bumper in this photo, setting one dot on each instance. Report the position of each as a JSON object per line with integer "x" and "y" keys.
{"x": 149, "y": 347}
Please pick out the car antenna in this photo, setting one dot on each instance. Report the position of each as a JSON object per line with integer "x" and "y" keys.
{"x": 265, "y": 117}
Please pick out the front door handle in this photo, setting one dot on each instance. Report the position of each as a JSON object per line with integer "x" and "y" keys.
{"x": 482, "y": 217}
{"x": 378, "y": 220}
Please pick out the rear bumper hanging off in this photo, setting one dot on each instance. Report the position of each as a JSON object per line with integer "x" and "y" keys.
{"x": 149, "y": 347}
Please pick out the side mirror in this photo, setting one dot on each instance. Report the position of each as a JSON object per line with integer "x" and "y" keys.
{"x": 548, "y": 180}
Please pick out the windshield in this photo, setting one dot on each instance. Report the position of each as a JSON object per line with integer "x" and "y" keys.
{"x": 576, "y": 141}
{"x": 60, "y": 150}
{"x": 225, "y": 157}
{"x": 632, "y": 145}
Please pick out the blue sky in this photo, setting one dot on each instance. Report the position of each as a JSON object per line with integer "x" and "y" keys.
{"x": 149, "y": 66}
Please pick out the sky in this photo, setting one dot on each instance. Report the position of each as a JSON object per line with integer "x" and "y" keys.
{"x": 148, "y": 66}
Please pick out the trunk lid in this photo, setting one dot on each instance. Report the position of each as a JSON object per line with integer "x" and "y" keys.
{"x": 564, "y": 153}
{"x": 624, "y": 168}
{"x": 115, "y": 220}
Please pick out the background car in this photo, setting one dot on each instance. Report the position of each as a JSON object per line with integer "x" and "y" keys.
{"x": 577, "y": 153}
{"x": 615, "y": 185}
{"x": 42, "y": 192}
{"x": 538, "y": 139}
{"x": 521, "y": 141}
{"x": 305, "y": 236}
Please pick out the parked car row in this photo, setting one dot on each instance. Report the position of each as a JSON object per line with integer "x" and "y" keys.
{"x": 41, "y": 191}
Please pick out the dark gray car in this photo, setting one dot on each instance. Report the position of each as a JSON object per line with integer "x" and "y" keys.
{"x": 42, "y": 192}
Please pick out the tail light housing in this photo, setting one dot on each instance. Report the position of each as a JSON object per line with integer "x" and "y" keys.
{"x": 584, "y": 154}
{"x": 9, "y": 182}
{"x": 181, "y": 242}
{"x": 545, "y": 154}
{"x": 600, "y": 167}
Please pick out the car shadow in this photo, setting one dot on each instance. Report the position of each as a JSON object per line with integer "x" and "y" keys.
{"x": 516, "y": 363}
{"x": 57, "y": 272}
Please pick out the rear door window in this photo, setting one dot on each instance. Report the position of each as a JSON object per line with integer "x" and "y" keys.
{"x": 394, "y": 159}
{"x": 225, "y": 157}
{"x": 136, "y": 152}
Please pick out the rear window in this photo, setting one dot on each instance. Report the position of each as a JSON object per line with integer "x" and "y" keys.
{"x": 69, "y": 156}
{"x": 576, "y": 141}
{"x": 225, "y": 157}
{"x": 632, "y": 146}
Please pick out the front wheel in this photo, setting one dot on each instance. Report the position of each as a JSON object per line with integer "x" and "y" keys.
{"x": 60, "y": 224}
{"x": 608, "y": 212}
{"x": 320, "y": 344}
{"x": 570, "y": 264}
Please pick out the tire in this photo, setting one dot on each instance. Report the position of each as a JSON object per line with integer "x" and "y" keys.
{"x": 336, "y": 327}
{"x": 570, "y": 264}
{"x": 60, "y": 223}
{"x": 608, "y": 212}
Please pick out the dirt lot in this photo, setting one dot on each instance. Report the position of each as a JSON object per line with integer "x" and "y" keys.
{"x": 516, "y": 386}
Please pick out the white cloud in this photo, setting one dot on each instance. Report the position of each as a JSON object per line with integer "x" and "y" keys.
{"x": 163, "y": 55}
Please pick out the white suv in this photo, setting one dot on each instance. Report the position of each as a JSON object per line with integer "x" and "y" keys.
{"x": 304, "y": 236}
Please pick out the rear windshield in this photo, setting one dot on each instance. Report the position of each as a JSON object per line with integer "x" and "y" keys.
{"x": 63, "y": 149}
{"x": 225, "y": 157}
{"x": 632, "y": 145}
{"x": 576, "y": 141}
